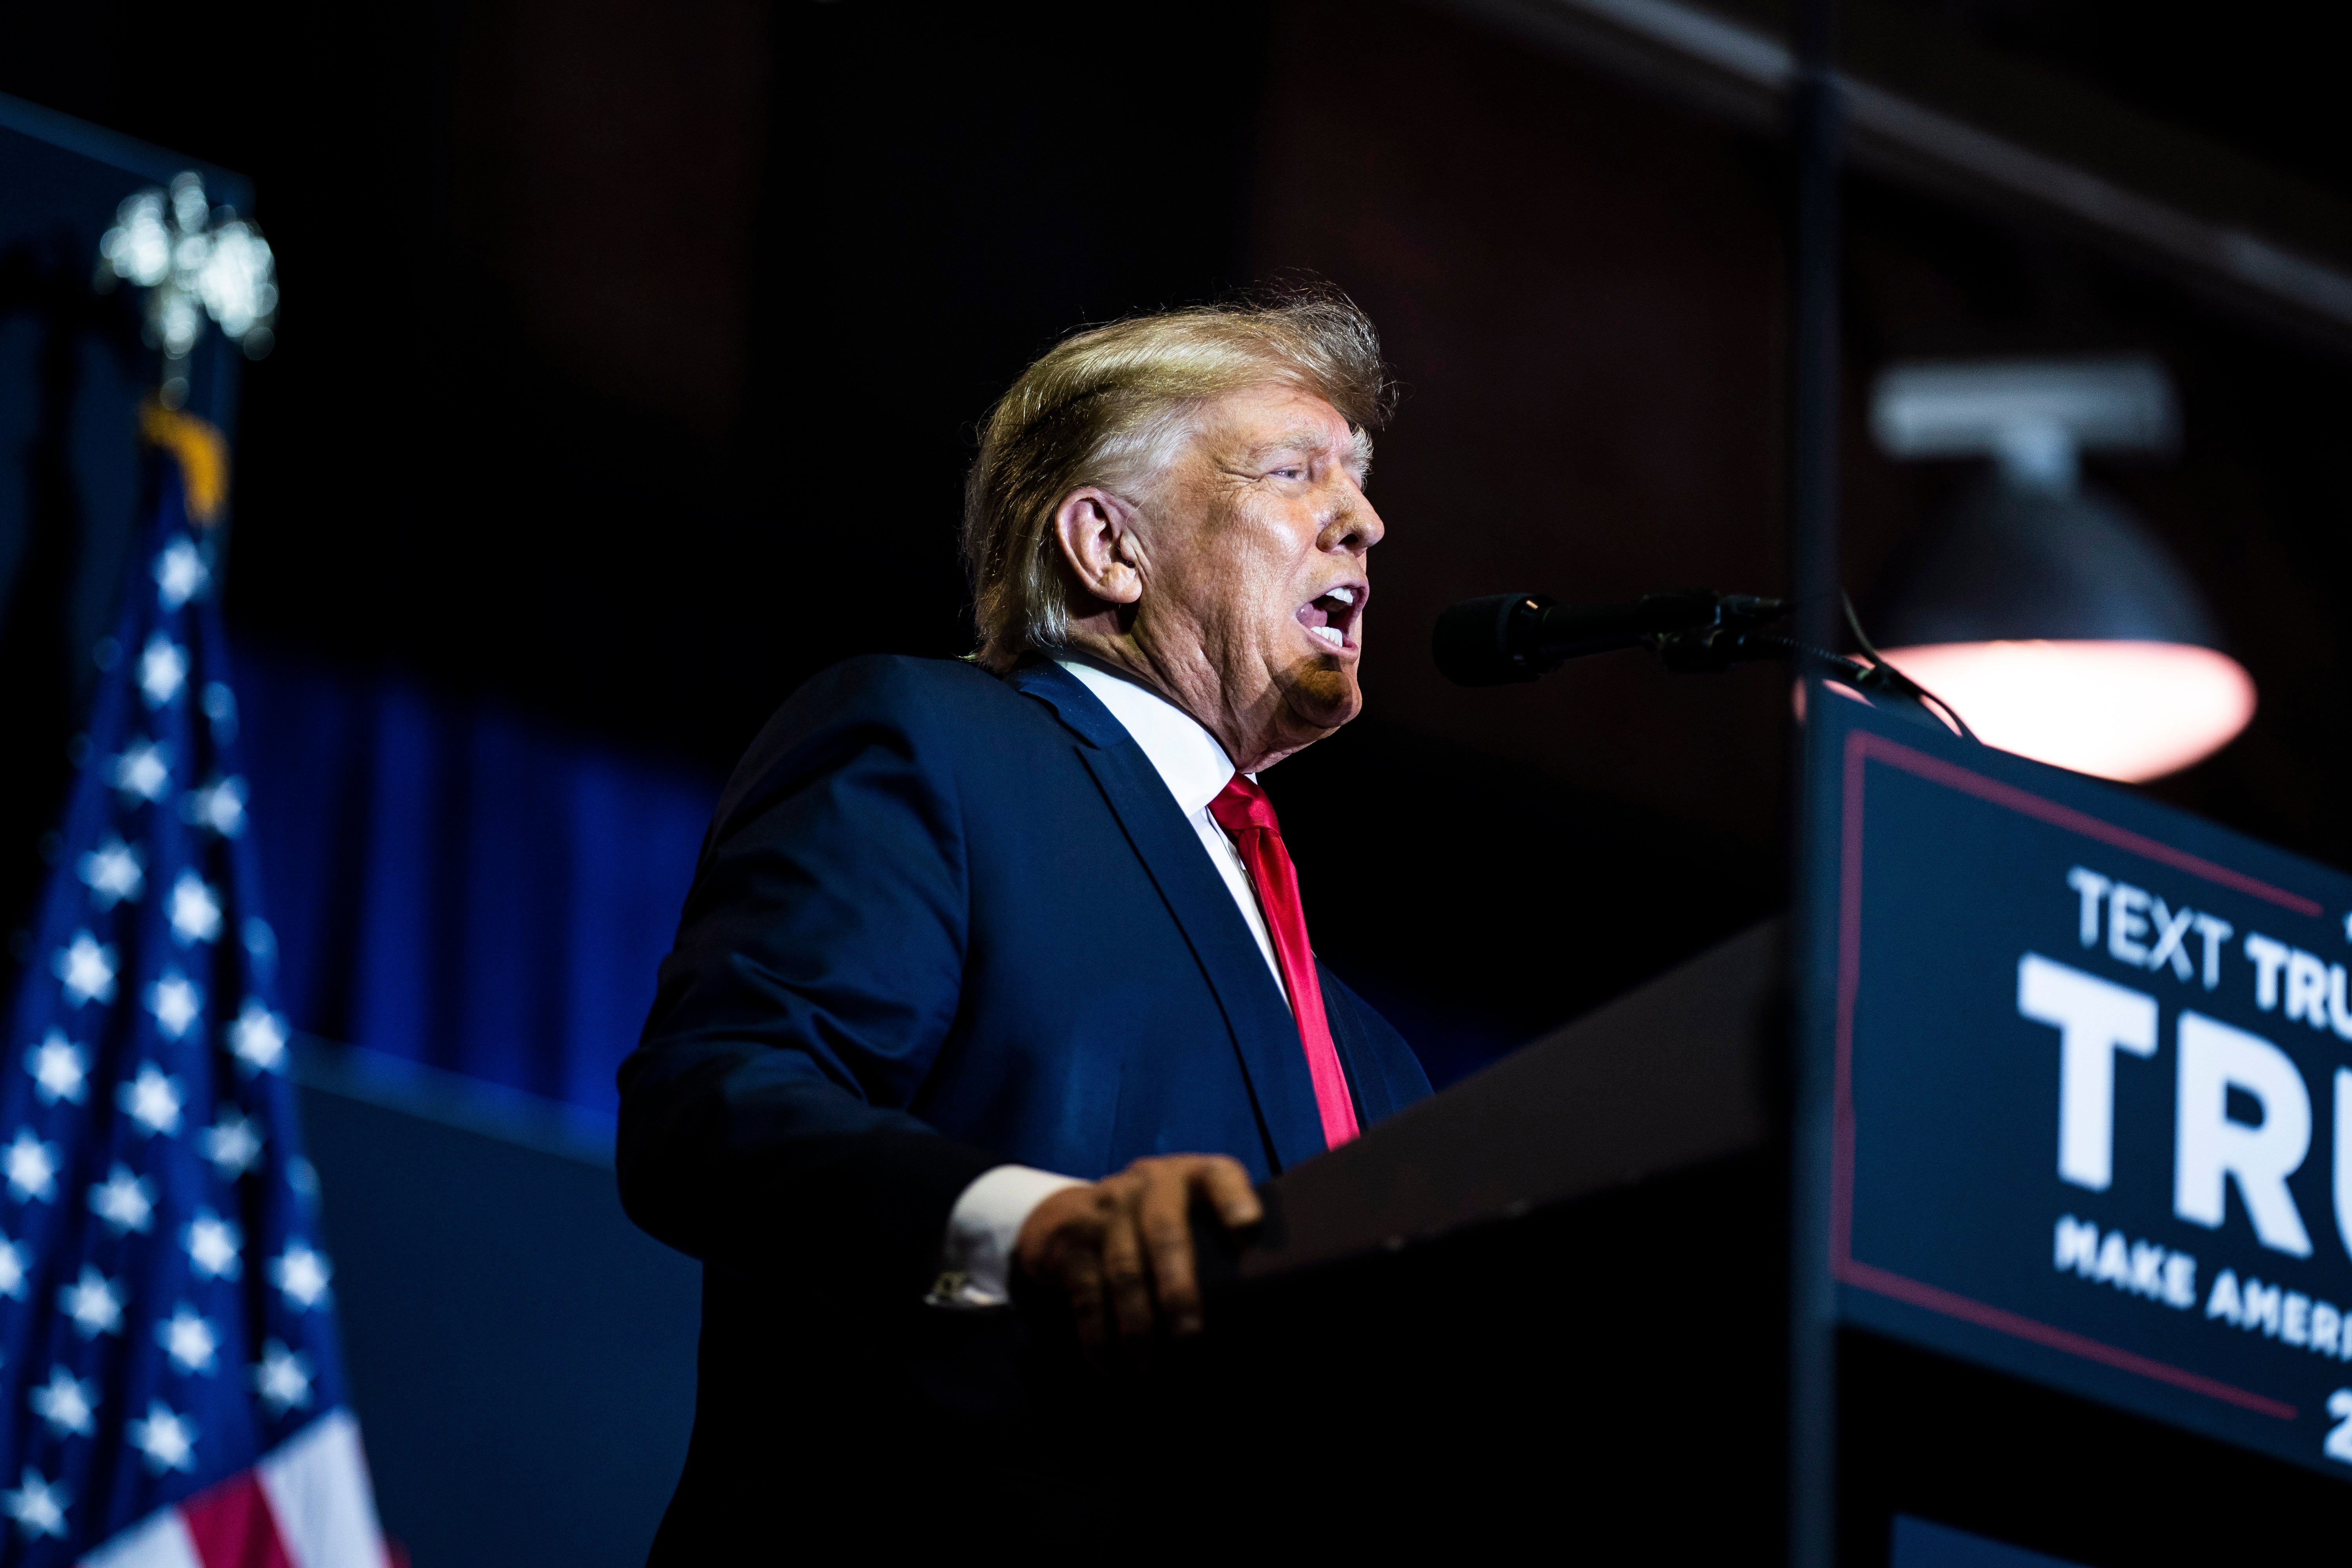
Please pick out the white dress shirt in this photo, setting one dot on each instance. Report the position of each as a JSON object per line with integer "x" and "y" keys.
{"x": 976, "y": 1259}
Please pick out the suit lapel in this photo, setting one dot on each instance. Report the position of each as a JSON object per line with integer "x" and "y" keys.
{"x": 1383, "y": 1074}
{"x": 1264, "y": 1033}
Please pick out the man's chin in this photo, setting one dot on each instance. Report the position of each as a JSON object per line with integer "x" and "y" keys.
{"x": 1321, "y": 699}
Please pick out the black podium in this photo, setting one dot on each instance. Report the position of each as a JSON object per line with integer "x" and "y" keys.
{"x": 1523, "y": 1313}
{"x": 1796, "y": 1254}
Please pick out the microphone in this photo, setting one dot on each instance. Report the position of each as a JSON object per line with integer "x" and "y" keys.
{"x": 1504, "y": 639}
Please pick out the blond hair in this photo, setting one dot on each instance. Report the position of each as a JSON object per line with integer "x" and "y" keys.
{"x": 1108, "y": 406}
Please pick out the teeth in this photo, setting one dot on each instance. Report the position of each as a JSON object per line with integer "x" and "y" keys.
{"x": 1330, "y": 635}
{"x": 1344, "y": 596}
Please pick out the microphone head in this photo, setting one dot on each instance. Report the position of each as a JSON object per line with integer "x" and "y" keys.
{"x": 1474, "y": 643}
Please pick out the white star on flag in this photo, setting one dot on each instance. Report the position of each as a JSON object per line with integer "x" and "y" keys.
{"x": 282, "y": 1379}
{"x": 257, "y": 1037}
{"x": 144, "y": 770}
{"x": 125, "y": 1202}
{"x": 232, "y": 1145}
{"x": 301, "y": 1274}
{"x": 38, "y": 1506}
{"x": 175, "y": 1004}
{"x": 166, "y": 1437}
{"x": 113, "y": 873}
{"x": 32, "y": 1167}
{"x": 220, "y": 707}
{"x": 59, "y": 1069}
{"x": 218, "y": 806}
{"x": 188, "y": 1339}
{"x": 153, "y": 1100}
{"x": 163, "y": 670}
{"x": 87, "y": 967}
{"x": 195, "y": 909}
{"x": 66, "y": 1404}
{"x": 13, "y": 1263}
{"x": 212, "y": 1246}
{"x": 180, "y": 573}
{"x": 94, "y": 1302}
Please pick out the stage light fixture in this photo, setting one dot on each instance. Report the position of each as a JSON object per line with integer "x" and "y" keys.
{"x": 2055, "y": 623}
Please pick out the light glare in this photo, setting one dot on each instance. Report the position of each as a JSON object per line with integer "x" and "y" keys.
{"x": 198, "y": 261}
{"x": 2127, "y": 710}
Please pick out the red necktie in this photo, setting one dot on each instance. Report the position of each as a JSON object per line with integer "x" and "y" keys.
{"x": 1242, "y": 810}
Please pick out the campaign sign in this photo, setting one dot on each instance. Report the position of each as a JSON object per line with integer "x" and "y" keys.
{"x": 2093, "y": 1087}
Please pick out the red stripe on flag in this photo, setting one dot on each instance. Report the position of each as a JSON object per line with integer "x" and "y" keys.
{"x": 233, "y": 1527}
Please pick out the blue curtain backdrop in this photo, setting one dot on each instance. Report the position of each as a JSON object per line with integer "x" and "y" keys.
{"x": 456, "y": 885}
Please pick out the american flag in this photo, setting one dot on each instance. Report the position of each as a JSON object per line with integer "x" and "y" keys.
{"x": 171, "y": 1391}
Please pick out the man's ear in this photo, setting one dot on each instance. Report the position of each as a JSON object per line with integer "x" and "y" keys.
{"x": 1094, "y": 529}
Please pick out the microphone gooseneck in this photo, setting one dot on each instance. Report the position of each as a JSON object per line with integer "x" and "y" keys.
{"x": 1504, "y": 639}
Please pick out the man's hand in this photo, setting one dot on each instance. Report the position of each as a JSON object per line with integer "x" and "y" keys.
{"x": 1121, "y": 1250}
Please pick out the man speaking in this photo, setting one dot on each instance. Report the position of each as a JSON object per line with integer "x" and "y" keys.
{"x": 992, "y": 968}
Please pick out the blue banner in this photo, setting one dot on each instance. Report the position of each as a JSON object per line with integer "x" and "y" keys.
{"x": 2093, "y": 1087}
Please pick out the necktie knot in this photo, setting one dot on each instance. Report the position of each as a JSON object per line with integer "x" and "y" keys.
{"x": 1240, "y": 805}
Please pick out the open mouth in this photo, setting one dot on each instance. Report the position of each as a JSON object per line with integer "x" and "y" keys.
{"x": 1331, "y": 615}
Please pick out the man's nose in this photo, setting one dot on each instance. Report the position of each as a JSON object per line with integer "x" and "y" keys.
{"x": 1353, "y": 527}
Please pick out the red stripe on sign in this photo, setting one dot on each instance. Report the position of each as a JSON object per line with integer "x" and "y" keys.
{"x": 1886, "y": 1282}
{"x": 2027, "y": 803}
{"x": 233, "y": 1527}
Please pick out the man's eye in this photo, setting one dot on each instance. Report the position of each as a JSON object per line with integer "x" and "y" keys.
{"x": 1290, "y": 473}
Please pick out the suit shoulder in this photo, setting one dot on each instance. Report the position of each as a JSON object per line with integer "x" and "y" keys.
{"x": 932, "y": 711}
{"x": 929, "y": 697}
{"x": 898, "y": 679}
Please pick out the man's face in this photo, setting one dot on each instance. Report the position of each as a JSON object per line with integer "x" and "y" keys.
{"x": 1255, "y": 579}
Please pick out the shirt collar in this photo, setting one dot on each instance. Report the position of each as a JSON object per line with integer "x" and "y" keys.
{"x": 1188, "y": 758}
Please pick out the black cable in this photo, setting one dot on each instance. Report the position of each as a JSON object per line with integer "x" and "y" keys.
{"x": 1868, "y": 679}
{"x": 1910, "y": 686}
{"x": 1949, "y": 712}
{"x": 1857, "y": 673}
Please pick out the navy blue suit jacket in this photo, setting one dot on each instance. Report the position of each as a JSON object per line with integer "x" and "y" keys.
{"x": 941, "y": 921}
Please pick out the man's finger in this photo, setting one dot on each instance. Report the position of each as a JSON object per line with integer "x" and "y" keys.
{"x": 1164, "y": 1217}
{"x": 1124, "y": 1278}
{"x": 1227, "y": 1186}
{"x": 1082, "y": 1283}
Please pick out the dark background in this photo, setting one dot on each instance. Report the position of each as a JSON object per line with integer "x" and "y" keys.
{"x": 630, "y": 356}
{"x": 629, "y": 365}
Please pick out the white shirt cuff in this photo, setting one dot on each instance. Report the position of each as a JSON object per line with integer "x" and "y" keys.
{"x": 976, "y": 1257}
